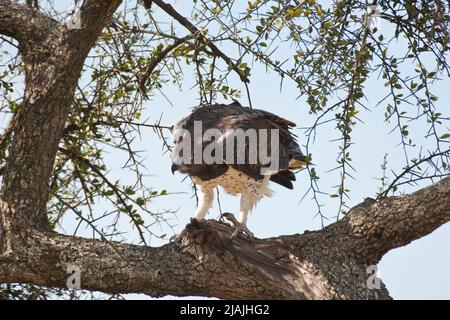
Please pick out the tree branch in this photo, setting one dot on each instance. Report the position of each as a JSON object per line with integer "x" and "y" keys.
{"x": 375, "y": 227}
{"x": 95, "y": 14}
{"x": 206, "y": 263}
{"x": 324, "y": 264}
{"x": 409, "y": 168}
{"x": 158, "y": 58}
{"x": 188, "y": 25}
{"x": 24, "y": 24}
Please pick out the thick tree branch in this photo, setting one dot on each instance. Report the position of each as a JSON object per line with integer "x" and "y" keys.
{"x": 324, "y": 264}
{"x": 24, "y": 24}
{"x": 205, "y": 264}
{"x": 379, "y": 226}
{"x": 330, "y": 263}
{"x": 95, "y": 14}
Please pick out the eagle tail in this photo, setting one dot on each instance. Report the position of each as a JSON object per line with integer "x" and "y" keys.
{"x": 284, "y": 178}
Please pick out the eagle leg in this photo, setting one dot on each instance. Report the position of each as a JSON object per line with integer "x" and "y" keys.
{"x": 248, "y": 201}
{"x": 205, "y": 199}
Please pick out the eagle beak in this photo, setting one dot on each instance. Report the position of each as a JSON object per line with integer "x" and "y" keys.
{"x": 174, "y": 168}
{"x": 300, "y": 162}
{"x": 307, "y": 161}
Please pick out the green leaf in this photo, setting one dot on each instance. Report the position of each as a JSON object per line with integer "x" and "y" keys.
{"x": 14, "y": 107}
{"x": 296, "y": 12}
{"x": 159, "y": 47}
{"x": 327, "y": 25}
{"x": 140, "y": 201}
{"x": 333, "y": 195}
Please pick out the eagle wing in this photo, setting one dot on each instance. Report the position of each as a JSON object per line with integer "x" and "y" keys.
{"x": 232, "y": 117}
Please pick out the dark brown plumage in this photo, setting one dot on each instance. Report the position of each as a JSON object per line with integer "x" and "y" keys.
{"x": 234, "y": 116}
{"x": 248, "y": 178}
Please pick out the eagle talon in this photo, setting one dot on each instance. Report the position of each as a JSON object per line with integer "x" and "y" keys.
{"x": 249, "y": 233}
{"x": 175, "y": 238}
{"x": 230, "y": 217}
{"x": 242, "y": 228}
{"x": 235, "y": 233}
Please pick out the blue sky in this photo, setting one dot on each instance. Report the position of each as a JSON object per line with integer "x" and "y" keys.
{"x": 417, "y": 271}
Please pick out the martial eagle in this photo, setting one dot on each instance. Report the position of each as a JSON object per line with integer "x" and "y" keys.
{"x": 245, "y": 172}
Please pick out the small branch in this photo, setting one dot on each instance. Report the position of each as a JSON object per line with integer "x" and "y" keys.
{"x": 188, "y": 25}
{"x": 159, "y": 57}
{"x": 408, "y": 170}
{"x": 116, "y": 191}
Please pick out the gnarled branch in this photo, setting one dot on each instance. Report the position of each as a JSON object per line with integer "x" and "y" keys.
{"x": 380, "y": 226}
{"x": 24, "y": 24}
{"x": 324, "y": 264}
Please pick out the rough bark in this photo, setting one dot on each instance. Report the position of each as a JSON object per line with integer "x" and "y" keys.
{"x": 53, "y": 56}
{"x": 325, "y": 264}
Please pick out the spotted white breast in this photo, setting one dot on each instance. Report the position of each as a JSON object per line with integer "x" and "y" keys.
{"x": 235, "y": 182}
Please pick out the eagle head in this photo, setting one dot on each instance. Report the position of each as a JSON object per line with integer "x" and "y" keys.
{"x": 176, "y": 167}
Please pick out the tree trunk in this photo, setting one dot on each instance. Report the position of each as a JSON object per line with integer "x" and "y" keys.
{"x": 331, "y": 263}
